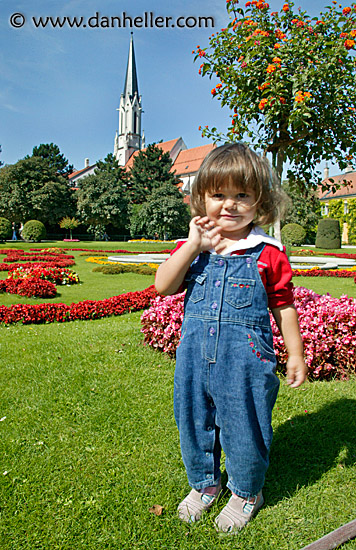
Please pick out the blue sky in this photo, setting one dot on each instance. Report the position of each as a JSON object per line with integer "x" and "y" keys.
{"x": 63, "y": 85}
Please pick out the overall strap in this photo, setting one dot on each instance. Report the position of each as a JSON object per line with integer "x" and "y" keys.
{"x": 255, "y": 252}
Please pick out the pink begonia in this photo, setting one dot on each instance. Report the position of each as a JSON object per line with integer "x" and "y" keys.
{"x": 327, "y": 324}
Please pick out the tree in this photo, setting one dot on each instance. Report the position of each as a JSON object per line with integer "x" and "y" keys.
{"x": 69, "y": 223}
{"x": 289, "y": 80}
{"x": 150, "y": 170}
{"x": 31, "y": 189}
{"x": 1, "y": 163}
{"x": 163, "y": 214}
{"x": 52, "y": 154}
{"x": 101, "y": 197}
{"x": 303, "y": 208}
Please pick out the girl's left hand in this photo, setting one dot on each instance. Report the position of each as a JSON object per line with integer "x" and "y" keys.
{"x": 296, "y": 371}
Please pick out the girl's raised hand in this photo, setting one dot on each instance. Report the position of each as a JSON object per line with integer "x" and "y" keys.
{"x": 203, "y": 234}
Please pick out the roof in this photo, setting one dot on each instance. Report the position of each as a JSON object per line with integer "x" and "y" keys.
{"x": 74, "y": 175}
{"x": 166, "y": 146}
{"x": 190, "y": 160}
{"x": 347, "y": 189}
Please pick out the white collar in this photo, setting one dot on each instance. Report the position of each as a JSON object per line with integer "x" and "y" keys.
{"x": 253, "y": 239}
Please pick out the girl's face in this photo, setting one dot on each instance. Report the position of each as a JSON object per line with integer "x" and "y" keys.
{"x": 232, "y": 209}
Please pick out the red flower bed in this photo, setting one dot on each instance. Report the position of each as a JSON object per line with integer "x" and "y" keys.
{"x": 88, "y": 309}
{"x": 118, "y": 251}
{"x": 53, "y": 263}
{"x": 322, "y": 273}
{"x": 56, "y": 275}
{"x": 36, "y": 258}
{"x": 30, "y": 287}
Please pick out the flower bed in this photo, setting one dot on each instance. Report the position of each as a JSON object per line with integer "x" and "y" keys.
{"x": 118, "y": 251}
{"x": 54, "y": 263}
{"x": 32, "y": 287}
{"x": 56, "y": 275}
{"x": 316, "y": 272}
{"x": 88, "y": 309}
{"x": 104, "y": 261}
{"x": 328, "y": 328}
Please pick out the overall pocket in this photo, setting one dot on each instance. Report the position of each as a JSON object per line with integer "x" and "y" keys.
{"x": 196, "y": 286}
{"x": 239, "y": 292}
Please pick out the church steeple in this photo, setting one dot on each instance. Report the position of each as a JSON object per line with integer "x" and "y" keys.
{"x": 128, "y": 139}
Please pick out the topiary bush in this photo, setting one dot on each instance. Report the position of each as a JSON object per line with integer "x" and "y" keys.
{"x": 293, "y": 234}
{"x": 127, "y": 268}
{"x": 328, "y": 235}
{"x": 34, "y": 230}
{"x": 5, "y": 229}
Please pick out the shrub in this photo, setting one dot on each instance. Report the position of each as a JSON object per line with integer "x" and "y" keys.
{"x": 100, "y": 253}
{"x": 34, "y": 230}
{"x": 124, "y": 268}
{"x": 328, "y": 235}
{"x": 5, "y": 229}
{"x": 293, "y": 234}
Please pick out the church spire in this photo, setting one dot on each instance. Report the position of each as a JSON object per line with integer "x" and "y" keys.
{"x": 130, "y": 110}
{"x": 131, "y": 84}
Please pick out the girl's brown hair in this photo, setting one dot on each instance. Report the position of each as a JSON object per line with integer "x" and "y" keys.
{"x": 237, "y": 164}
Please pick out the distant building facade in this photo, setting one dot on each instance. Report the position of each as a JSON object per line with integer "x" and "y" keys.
{"x": 344, "y": 195}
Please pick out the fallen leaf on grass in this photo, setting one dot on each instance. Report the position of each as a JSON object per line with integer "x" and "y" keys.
{"x": 156, "y": 509}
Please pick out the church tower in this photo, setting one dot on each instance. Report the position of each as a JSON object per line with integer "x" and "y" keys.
{"x": 128, "y": 139}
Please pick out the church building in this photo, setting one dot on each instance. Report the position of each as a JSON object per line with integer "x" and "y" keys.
{"x": 129, "y": 138}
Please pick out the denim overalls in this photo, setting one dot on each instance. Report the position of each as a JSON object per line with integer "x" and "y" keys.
{"x": 225, "y": 384}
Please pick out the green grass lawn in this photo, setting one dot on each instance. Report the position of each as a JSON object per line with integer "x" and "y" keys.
{"x": 88, "y": 442}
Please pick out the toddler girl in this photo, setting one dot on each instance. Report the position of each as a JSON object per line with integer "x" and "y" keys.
{"x": 225, "y": 384}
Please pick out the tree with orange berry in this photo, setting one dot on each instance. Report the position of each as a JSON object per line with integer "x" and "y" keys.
{"x": 289, "y": 81}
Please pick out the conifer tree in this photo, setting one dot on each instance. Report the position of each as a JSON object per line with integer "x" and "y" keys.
{"x": 151, "y": 169}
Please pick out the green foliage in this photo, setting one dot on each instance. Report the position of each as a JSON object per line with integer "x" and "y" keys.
{"x": 34, "y": 230}
{"x": 163, "y": 214}
{"x": 5, "y": 229}
{"x": 31, "y": 189}
{"x": 52, "y": 154}
{"x": 303, "y": 208}
{"x": 124, "y": 268}
{"x": 101, "y": 197}
{"x": 289, "y": 81}
{"x": 293, "y": 234}
{"x": 151, "y": 169}
{"x": 351, "y": 218}
{"x": 69, "y": 223}
{"x": 337, "y": 211}
{"x": 328, "y": 235}
{"x": 1, "y": 163}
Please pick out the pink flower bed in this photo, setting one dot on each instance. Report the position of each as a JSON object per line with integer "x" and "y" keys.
{"x": 328, "y": 327}
{"x": 88, "y": 309}
{"x": 161, "y": 323}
